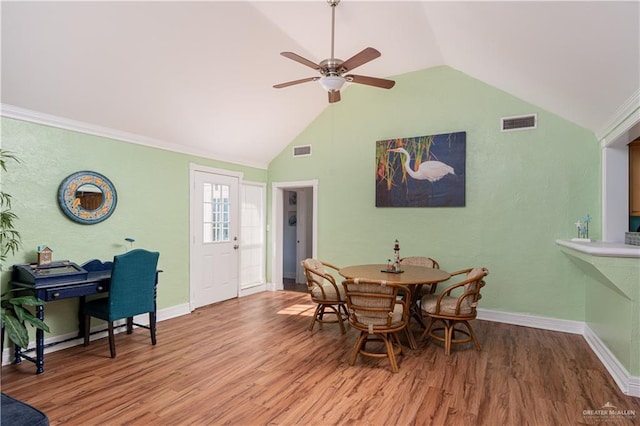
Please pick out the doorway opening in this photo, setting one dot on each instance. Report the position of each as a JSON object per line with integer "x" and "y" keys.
{"x": 294, "y": 238}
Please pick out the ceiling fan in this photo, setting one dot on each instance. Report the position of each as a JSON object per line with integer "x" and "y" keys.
{"x": 332, "y": 71}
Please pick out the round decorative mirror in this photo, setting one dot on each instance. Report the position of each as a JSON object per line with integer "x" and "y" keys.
{"x": 87, "y": 197}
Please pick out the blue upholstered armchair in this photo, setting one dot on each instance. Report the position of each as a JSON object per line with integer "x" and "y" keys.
{"x": 131, "y": 292}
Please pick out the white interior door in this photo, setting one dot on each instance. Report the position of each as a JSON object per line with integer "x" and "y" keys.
{"x": 301, "y": 234}
{"x": 214, "y": 255}
{"x": 252, "y": 237}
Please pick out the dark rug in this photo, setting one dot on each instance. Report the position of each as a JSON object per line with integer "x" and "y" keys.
{"x": 16, "y": 413}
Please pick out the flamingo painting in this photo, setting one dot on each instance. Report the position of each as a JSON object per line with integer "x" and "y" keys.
{"x": 436, "y": 179}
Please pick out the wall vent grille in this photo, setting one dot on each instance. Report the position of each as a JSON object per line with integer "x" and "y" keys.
{"x": 302, "y": 151}
{"x": 521, "y": 122}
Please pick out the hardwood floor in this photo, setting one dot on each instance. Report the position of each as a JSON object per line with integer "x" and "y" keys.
{"x": 251, "y": 361}
{"x": 292, "y": 285}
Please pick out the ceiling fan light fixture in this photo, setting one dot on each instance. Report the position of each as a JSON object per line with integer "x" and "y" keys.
{"x": 332, "y": 68}
{"x": 332, "y": 83}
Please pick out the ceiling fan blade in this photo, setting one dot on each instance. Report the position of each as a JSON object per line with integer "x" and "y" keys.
{"x": 291, "y": 83}
{"x": 300, "y": 59}
{"x": 361, "y": 58}
{"x": 371, "y": 81}
{"x": 334, "y": 96}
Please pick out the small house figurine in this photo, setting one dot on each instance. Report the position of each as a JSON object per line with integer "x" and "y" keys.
{"x": 44, "y": 255}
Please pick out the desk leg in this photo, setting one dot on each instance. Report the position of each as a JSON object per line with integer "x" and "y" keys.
{"x": 17, "y": 354}
{"x": 40, "y": 342}
{"x": 81, "y": 303}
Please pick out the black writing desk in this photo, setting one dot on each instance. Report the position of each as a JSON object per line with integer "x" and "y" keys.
{"x": 66, "y": 282}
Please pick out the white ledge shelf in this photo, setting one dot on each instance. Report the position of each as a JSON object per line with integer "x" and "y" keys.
{"x": 600, "y": 248}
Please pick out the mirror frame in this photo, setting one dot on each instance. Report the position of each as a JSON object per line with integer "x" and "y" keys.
{"x": 70, "y": 205}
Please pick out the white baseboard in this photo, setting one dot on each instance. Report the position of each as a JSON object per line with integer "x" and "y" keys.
{"x": 173, "y": 312}
{"x": 630, "y": 385}
{"x": 533, "y": 321}
{"x": 73, "y": 340}
{"x": 627, "y": 383}
{"x": 274, "y": 287}
{"x": 253, "y": 290}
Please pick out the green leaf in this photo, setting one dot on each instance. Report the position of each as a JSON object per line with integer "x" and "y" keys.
{"x": 11, "y": 290}
{"x": 26, "y": 301}
{"x": 37, "y": 323}
{"x": 20, "y": 312}
{"x": 5, "y": 200}
{"x": 7, "y": 155}
{"x": 16, "y": 331}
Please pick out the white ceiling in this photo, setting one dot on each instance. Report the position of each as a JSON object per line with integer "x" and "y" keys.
{"x": 197, "y": 76}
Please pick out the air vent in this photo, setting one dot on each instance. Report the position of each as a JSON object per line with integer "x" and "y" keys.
{"x": 521, "y": 122}
{"x": 302, "y": 151}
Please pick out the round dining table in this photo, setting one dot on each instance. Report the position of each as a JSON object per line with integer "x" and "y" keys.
{"x": 414, "y": 277}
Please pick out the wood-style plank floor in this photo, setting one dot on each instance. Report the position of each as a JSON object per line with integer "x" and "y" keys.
{"x": 251, "y": 361}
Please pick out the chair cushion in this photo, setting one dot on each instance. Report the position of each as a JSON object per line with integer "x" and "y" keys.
{"x": 329, "y": 289}
{"x": 418, "y": 261}
{"x": 314, "y": 264}
{"x": 372, "y": 318}
{"x": 447, "y": 305}
{"x": 329, "y": 292}
{"x": 475, "y": 273}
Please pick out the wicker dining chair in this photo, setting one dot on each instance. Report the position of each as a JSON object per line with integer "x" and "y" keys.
{"x": 379, "y": 310}
{"x": 427, "y": 262}
{"x": 453, "y": 310}
{"x": 326, "y": 293}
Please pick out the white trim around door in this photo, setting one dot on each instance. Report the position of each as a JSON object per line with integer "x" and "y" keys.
{"x": 277, "y": 232}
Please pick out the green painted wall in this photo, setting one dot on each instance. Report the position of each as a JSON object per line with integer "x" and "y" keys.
{"x": 153, "y": 205}
{"x": 524, "y": 189}
{"x": 612, "y": 305}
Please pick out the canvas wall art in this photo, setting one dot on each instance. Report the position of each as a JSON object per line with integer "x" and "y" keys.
{"x": 421, "y": 171}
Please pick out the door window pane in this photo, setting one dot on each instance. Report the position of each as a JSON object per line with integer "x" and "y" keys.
{"x": 215, "y": 216}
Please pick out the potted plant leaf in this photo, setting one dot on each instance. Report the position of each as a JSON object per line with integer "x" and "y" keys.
{"x": 15, "y": 317}
{"x": 14, "y": 314}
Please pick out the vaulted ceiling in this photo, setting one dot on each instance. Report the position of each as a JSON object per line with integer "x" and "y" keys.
{"x": 197, "y": 77}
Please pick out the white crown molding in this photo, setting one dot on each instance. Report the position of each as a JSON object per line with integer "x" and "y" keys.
{"x": 625, "y": 117}
{"x": 17, "y": 113}
{"x": 197, "y": 167}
